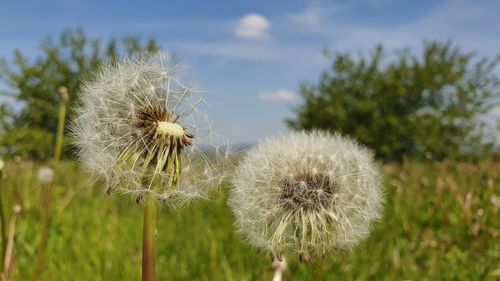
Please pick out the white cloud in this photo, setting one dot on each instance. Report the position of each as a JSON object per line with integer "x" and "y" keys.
{"x": 253, "y": 26}
{"x": 279, "y": 95}
{"x": 226, "y": 49}
{"x": 316, "y": 13}
{"x": 471, "y": 26}
{"x": 467, "y": 24}
{"x": 311, "y": 15}
{"x": 308, "y": 57}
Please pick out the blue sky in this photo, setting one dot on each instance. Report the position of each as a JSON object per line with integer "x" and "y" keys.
{"x": 251, "y": 56}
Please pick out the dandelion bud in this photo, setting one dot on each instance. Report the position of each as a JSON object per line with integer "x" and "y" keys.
{"x": 2, "y": 165}
{"x": 45, "y": 175}
{"x": 17, "y": 209}
{"x": 63, "y": 94}
{"x": 306, "y": 194}
{"x": 139, "y": 128}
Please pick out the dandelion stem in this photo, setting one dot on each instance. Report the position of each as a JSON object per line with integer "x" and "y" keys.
{"x": 280, "y": 264}
{"x": 47, "y": 198}
{"x": 2, "y": 222}
{"x": 148, "y": 242}
{"x": 8, "y": 262}
{"x": 60, "y": 131}
{"x": 47, "y": 192}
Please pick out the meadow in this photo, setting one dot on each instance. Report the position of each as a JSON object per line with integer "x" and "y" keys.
{"x": 440, "y": 223}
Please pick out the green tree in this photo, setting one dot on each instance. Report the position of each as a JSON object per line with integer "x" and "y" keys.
{"x": 409, "y": 106}
{"x": 29, "y": 129}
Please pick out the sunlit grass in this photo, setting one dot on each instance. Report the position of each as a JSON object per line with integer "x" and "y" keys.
{"x": 440, "y": 223}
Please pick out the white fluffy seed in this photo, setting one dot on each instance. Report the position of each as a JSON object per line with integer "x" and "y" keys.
{"x": 45, "y": 175}
{"x": 306, "y": 193}
{"x": 110, "y": 145}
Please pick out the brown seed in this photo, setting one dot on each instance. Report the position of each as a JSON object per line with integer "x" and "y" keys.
{"x": 307, "y": 191}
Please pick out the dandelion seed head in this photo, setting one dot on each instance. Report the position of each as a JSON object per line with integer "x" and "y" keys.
{"x": 307, "y": 194}
{"x": 142, "y": 130}
{"x": 45, "y": 175}
{"x": 17, "y": 209}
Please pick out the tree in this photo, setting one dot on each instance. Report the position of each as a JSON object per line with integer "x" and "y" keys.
{"x": 409, "y": 106}
{"x": 33, "y": 86}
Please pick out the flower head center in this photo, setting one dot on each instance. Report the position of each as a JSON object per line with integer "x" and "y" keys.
{"x": 160, "y": 127}
{"x": 165, "y": 128}
{"x": 308, "y": 191}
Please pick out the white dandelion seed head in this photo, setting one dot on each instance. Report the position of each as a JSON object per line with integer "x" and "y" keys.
{"x": 146, "y": 133}
{"x": 45, "y": 175}
{"x": 306, "y": 193}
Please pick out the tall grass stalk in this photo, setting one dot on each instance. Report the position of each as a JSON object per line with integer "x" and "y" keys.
{"x": 22, "y": 170}
{"x": 47, "y": 191}
{"x": 8, "y": 262}
{"x": 47, "y": 202}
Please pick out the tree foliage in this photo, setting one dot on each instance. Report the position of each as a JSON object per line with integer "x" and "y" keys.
{"x": 29, "y": 127}
{"x": 410, "y": 106}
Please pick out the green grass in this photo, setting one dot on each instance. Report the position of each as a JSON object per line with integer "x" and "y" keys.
{"x": 440, "y": 223}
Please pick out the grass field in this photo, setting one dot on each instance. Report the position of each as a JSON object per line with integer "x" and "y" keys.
{"x": 441, "y": 222}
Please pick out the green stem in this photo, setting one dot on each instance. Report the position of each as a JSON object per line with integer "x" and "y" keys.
{"x": 60, "y": 132}
{"x": 2, "y": 222}
{"x": 40, "y": 259}
{"x": 148, "y": 242}
{"x": 47, "y": 192}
